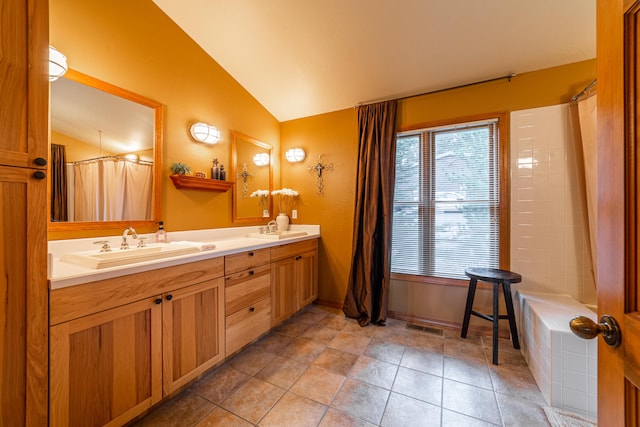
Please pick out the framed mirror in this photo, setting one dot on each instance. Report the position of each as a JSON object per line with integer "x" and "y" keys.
{"x": 106, "y": 156}
{"x": 253, "y": 175}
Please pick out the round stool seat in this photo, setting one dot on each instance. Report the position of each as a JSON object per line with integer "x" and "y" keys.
{"x": 493, "y": 275}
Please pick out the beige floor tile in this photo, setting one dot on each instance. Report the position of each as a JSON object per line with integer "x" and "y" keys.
{"x": 251, "y": 360}
{"x": 219, "y": 417}
{"x": 350, "y": 343}
{"x": 465, "y": 350}
{"x": 516, "y": 382}
{"x": 311, "y": 317}
{"x": 294, "y": 411}
{"x": 374, "y": 372}
{"x": 337, "y": 361}
{"x": 455, "y": 419}
{"x": 334, "y": 322}
{"x": 470, "y": 372}
{"x": 361, "y": 400}
{"x": 320, "y": 334}
{"x": 430, "y": 363}
{"x": 353, "y": 327}
{"x": 418, "y": 385}
{"x": 319, "y": 385}
{"x": 303, "y": 350}
{"x": 520, "y": 412}
{"x": 387, "y": 352}
{"x": 282, "y": 372}
{"x": 403, "y": 411}
{"x": 185, "y": 409}
{"x": 335, "y": 418}
{"x": 273, "y": 342}
{"x": 219, "y": 384}
{"x": 253, "y": 400}
{"x": 469, "y": 400}
{"x": 293, "y": 328}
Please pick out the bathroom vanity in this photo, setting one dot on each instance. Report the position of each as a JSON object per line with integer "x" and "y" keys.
{"x": 123, "y": 338}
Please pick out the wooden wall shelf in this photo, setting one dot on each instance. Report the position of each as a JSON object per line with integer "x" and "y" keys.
{"x": 185, "y": 182}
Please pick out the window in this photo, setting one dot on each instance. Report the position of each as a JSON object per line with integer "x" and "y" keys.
{"x": 448, "y": 210}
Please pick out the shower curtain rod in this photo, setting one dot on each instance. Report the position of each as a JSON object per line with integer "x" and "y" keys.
{"x": 507, "y": 77}
{"x": 110, "y": 157}
{"x": 590, "y": 86}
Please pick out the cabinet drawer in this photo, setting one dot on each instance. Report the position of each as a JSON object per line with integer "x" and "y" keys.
{"x": 291, "y": 249}
{"x": 246, "y": 260}
{"x": 246, "y": 288}
{"x": 247, "y": 324}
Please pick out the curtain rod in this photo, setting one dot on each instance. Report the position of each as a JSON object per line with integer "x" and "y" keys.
{"x": 111, "y": 158}
{"x": 585, "y": 90}
{"x": 507, "y": 77}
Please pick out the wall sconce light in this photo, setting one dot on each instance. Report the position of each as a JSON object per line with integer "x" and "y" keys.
{"x": 261, "y": 159}
{"x": 203, "y": 132}
{"x": 318, "y": 169}
{"x": 57, "y": 64}
{"x": 295, "y": 155}
{"x": 132, "y": 157}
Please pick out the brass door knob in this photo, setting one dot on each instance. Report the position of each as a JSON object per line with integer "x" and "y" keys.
{"x": 588, "y": 329}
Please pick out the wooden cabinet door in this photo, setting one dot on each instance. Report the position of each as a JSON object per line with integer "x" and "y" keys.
{"x": 106, "y": 368}
{"x": 23, "y": 298}
{"x": 24, "y": 83}
{"x": 284, "y": 295}
{"x": 307, "y": 278}
{"x": 193, "y": 332}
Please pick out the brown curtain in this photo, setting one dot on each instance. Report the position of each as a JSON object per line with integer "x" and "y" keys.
{"x": 58, "y": 183}
{"x": 368, "y": 287}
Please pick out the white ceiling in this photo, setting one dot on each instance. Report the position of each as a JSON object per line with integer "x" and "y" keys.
{"x": 305, "y": 57}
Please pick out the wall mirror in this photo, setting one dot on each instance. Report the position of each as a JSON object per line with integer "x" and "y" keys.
{"x": 107, "y": 173}
{"x": 251, "y": 170}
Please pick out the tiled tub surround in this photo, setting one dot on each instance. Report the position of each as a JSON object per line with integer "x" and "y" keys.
{"x": 227, "y": 240}
{"x": 564, "y": 366}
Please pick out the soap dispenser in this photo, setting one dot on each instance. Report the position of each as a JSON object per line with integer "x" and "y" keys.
{"x": 161, "y": 235}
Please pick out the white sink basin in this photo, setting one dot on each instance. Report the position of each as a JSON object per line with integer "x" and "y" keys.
{"x": 96, "y": 259}
{"x": 278, "y": 235}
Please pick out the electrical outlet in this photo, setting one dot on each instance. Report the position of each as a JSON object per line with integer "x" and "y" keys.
{"x": 294, "y": 214}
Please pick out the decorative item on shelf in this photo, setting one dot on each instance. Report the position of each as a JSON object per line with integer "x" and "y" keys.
{"x": 203, "y": 132}
{"x": 57, "y": 64}
{"x": 261, "y": 159}
{"x": 318, "y": 168}
{"x": 262, "y": 195}
{"x": 294, "y": 155}
{"x": 200, "y": 174}
{"x": 215, "y": 170}
{"x": 222, "y": 174}
{"x": 245, "y": 174}
{"x": 287, "y": 200}
{"x": 180, "y": 168}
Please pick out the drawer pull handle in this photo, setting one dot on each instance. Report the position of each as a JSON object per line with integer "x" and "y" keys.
{"x": 40, "y": 161}
{"x": 169, "y": 297}
{"x": 39, "y": 175}
{"x": 251, "y": 273}
{"x": 158, "y": 301}
{"x": 251, "y": 253}
{"x": 252, "y": 309}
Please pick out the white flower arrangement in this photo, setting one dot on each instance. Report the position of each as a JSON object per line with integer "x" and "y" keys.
{"x": 262, "y": 197}
{"x": 286, "y": 198}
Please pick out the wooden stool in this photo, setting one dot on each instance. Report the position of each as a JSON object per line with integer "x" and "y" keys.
{"x": 496, "y": 278}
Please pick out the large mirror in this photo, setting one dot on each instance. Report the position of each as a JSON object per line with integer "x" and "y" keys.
{"x": 251, "y": 170}
{"x": 106, "y": 156}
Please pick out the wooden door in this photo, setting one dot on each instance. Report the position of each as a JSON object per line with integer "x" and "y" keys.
{"x": 307, "y": 278}
{"x": 106, "y": 368}
{"x": 193, "y": 332}
{"x": 23, "y": 298}
{"x": 283, "y": 290}
{"x": 618, "y": 30}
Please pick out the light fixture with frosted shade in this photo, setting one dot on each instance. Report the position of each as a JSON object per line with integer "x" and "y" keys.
{"x": 261, "y": 159}
{"x": 57, "y": 64}
{"x": 203, "y": 132}
{"x": 295, "y": 155}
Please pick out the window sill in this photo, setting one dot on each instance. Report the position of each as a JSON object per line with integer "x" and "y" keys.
{"x": 439, "y": 281}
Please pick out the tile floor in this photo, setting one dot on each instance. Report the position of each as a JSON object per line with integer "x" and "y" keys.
{"x": 322, "y": 369}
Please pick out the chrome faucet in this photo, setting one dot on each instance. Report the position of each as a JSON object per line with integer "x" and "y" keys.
{"x": 124, "y": 244}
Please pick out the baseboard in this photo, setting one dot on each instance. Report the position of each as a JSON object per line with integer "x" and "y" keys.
{"x": 328, "y": 303}
{"x": 425, "y": 321}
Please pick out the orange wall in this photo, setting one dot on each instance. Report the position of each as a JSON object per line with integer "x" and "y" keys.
{"x": 335, "y": 136}
{"x": 134, "y": 45}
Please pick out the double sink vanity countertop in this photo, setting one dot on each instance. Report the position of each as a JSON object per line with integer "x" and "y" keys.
{"x": 227, "y": 241}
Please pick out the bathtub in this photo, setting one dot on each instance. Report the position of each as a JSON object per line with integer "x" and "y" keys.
{"x": 563, "y": 365}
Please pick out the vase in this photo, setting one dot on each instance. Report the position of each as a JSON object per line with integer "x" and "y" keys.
{"x": 283, "y": 222}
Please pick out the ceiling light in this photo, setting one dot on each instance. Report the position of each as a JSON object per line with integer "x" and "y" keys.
{"x": 57, "y": 64}
{"x": 203, "y": 132}
{"x": 295, "y": 155}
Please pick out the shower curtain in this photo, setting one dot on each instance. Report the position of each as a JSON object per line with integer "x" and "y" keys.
{"x": 112, "y": 190}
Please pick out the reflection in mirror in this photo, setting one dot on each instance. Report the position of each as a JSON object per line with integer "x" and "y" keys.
{"x": 106, "y": 145}
{"x": 251, "y": 170}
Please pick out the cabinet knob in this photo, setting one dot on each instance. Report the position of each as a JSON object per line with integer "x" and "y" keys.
{"x": 251, "y": 253}
{"x": 39, "y": 175}
{"x": 158, "y": 301}
{"x": 299, "y": 257}
{"x": 169, "y": 297}
{"x": 40, "y": 161}
{"x": 251, "y": 273}
{"x": 252, "y": 309}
